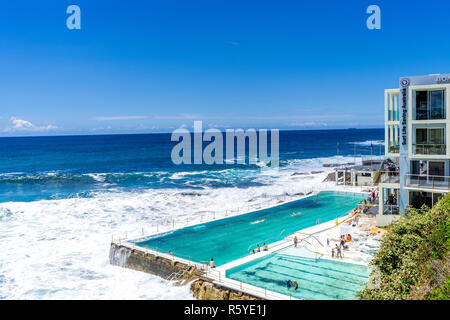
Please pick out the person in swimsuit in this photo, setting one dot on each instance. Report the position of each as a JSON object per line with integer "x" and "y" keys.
{"x": 295, "y": 285}
{"x": 258, "y": 248}
{"x": 289, "y": 284}
{"x": 295, "y": 241}
{"x": 338, "y": 251}
{"x": 266, "y": 248}
{"x": 212, "y": 263}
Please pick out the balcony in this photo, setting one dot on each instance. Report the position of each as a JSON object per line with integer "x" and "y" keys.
{"x": 390, "y": 209}
{"x": 393, "y": 115}
{"x": 394, "y": 148}
{"x": 390, "y": 177}
{"x": 427, "y": 182}
{"x": 429, "y": 114}
{"x": 429, "y": 149}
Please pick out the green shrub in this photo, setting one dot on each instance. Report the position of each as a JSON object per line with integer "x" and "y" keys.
{"x": 412, "y": 262}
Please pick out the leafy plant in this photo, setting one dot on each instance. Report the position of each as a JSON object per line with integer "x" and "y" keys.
{"x": 413, "y": 261}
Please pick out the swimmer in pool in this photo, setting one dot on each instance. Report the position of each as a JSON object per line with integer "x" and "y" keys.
{"x": 289, "y": 284}
{"x": 295, "y": 285}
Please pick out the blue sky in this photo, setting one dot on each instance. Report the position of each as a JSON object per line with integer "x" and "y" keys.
{"x": 152, "y": 66}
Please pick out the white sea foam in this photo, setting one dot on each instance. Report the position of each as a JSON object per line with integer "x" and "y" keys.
{"x": 58, "y": 249}
{"x": 368, "y": 143}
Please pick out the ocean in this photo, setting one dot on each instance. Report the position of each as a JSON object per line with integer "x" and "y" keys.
{"x": 61, "y": 199}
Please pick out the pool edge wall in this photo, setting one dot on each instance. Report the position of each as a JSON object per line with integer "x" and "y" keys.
{"x": 202, "y": 288}
{"x": 133, "y": 258}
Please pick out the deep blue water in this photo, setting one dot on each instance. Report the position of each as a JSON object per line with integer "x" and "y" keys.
{"x": 36, "y": 168}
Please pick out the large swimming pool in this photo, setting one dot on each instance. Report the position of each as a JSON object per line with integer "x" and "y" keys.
{"x": 229, "y": 239}
{"x": 318, "y": 279}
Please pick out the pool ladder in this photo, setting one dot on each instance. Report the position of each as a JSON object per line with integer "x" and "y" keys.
{"x": 179, "y": 275}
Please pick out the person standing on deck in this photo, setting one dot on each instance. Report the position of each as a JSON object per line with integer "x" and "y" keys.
{"x": 295, "y": 241}
{"x": 212, "y": 263}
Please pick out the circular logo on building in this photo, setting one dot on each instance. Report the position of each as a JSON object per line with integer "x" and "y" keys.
{"x": 404, "y": 82}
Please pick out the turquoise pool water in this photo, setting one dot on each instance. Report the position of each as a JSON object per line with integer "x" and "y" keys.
{"x": 229, "y": 239}
{"x": 318, "y": 279}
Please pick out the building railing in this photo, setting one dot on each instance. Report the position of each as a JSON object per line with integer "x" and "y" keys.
{"x": 393, "y": 115}
{"x": 390, "y": 209}
{"x": 419, "y": 181}
{"x": 428, "y": 113}
{"x": 429, "y": 149}
{"x": 394, "y": 148}
{"x": 390, "y": 177}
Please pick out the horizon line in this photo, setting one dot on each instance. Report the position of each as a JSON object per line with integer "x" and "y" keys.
{"x": 191, "y": 131}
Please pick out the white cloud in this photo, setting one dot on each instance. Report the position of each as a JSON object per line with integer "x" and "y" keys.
{"x": 309, "y": 124}
{"x": 218, "y": 126}
{"x": 120, "y": 118}
{"x": 24, "y": 125}
{"x": 21, "y": 124}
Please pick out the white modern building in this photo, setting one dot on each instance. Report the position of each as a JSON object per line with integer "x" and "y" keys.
{"x": 417, "y": 136}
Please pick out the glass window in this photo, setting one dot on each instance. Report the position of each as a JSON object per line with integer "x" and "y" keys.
{"x": 437, "y": 104}
{"x": 430, "y": 105}
{"x": 436, "y": 136}
{"x": 421, "y": 105}
{"x": 421, "y": 136}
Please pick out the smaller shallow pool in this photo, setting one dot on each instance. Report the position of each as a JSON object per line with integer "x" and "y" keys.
{"x": 318, "y": 279}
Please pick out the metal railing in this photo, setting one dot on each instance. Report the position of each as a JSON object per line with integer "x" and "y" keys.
{"x": 394, "y": 148}
{"x": 393, "y": 115}
{"x": 429, "y": 113}
{"x": 390, "y": 209}
{"x": 217, "y": 276}
{"x": 429, "y": 149}
{"x": 434, "y": 182}
{"x": 170, "y": 224}
{"x": 266, "y": 240}
{"x": 390, "y": 177}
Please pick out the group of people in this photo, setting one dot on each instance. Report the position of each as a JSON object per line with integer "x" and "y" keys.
{"x": 290, "y": 284}
{"x": 337, "y": 250}
{"x": 258, "y": 248}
